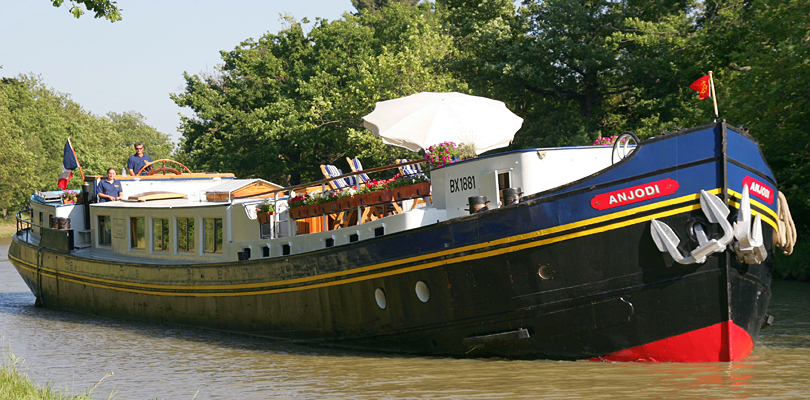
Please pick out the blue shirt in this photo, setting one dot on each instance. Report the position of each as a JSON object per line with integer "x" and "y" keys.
{"x": 135, "y": 163}
{"x": 111, "y": 189}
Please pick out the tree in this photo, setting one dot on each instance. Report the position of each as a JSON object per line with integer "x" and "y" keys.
{"x": 768, "y": 50}
{"x": 375, "y": 5}
{"x": 569, "y": 67}
{"x": 106, "y": 9}
{"x": 16, "y": 162}
{"x": 131, "y": 127}
{"x": 284, "y": 104}
{"x": 758, "y": 52}
{"x": 35, "y": 122}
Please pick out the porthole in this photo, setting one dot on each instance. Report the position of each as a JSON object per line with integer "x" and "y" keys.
{"x": 379, "y": 295}
{"x": 545, "y": 272}
{"x": 422, "y": 291}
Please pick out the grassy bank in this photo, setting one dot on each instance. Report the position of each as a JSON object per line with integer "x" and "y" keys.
{"x": 8, "y": 226}
{"x": 795, "y": 266}
{"x": 16, "y": 385}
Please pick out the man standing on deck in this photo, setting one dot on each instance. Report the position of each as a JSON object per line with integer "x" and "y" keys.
{"x": 138, "y": 160}
{"x": 109, "y": 189}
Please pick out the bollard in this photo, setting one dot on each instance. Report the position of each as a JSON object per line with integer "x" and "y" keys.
{"x": 477, "y": 204}
{"x": 511, "y": 196}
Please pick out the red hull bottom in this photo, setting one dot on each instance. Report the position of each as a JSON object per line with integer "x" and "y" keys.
{"x": 724, "y": 341}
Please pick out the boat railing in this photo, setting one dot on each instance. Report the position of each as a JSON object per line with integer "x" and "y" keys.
{"x": 56, "y": 239}
{"x": 336, "y": 219}
{"x": 323, "y": 183}
{"x": 24, "y": 226}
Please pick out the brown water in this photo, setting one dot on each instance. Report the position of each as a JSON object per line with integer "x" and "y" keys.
{"x": 150, "y": 361}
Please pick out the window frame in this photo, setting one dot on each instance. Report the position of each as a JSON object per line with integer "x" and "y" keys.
{"x": 217, "y": 232}
{"x": 190, "y": 238}
{"x": 164, "y": 234}
{"x": 100, "y": 231}
{"x": 133, "y": 234}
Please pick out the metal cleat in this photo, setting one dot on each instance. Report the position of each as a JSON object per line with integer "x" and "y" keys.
{"x": 749, "y": 246}
{"x": 716, "y": 212}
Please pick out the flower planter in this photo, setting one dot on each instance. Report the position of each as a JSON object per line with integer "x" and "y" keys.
{"x": 377, "y": 197}
{"x": 264, "y": 217}
{"x": 328, "y": 208}
{"x": 313, "y": 210}
{"x": 298, "y": 212}
{"x": 347, "y": 203}
{"x": 307, "y": 211}
{"x": 412, "y": 191}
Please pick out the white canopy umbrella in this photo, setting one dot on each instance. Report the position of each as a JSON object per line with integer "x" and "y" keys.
{"x": 421, "y": 120}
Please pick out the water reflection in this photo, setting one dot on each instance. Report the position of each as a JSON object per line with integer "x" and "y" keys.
{"x": 156, "y": 361}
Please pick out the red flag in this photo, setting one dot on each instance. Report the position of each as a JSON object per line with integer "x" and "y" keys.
{"x": 702, "y": 87}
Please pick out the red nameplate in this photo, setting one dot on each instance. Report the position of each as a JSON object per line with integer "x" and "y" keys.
{"x": 634, "y": 194}
{"x": 759, "y": 189}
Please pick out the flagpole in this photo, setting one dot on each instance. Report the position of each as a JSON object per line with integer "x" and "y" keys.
{"x": 80, "y": 166}
{"x": 714, "y": 96}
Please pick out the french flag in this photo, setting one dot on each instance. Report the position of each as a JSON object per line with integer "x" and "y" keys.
{"x": 69, "y": 163}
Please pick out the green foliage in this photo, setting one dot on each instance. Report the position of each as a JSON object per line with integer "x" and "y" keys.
{"x": 281, "y": 105}
{"x": 35, "y": 122}
{"x": 771, "y": 90}
{"x": 758, "y": 52}
{"x": 370, "y": 6}
{"x": 572, "y": 69}
{"x": 795, "y": 266}
{"x": 102, "y": 8}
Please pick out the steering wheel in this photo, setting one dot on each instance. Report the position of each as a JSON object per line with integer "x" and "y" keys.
{"x": 163, "y": 168}
{"x": 622, "y": 146}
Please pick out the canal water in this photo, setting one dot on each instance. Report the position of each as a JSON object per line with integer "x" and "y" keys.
{"x": 153, "y": 361}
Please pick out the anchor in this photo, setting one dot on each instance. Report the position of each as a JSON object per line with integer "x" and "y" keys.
{"x": 749, "y": 246}
{"x": 716, "y": 212}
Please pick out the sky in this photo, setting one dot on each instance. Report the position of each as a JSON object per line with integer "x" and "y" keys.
{"x": 134, "y": 64}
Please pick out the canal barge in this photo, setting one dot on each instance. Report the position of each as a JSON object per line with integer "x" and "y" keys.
{"x": 662, "y": 254}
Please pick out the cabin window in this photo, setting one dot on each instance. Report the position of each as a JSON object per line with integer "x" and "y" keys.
{"x": 160, "y": 234}
{"x": 212, "y": 235}
{"x": 185, "y": 234}
{"x": 104, "y": 230}
{"x": 137, "y": 229}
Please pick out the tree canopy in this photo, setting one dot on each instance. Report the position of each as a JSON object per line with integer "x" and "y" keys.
{"x": 283, "y": 104}
{"x": 35, "y": 122}
{"x": 106, "y": 9}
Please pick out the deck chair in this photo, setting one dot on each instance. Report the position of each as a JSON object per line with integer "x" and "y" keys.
{"x": 355, "y": 165}
{"x": 331, "y": 171}
{"x": 410, "y": 171}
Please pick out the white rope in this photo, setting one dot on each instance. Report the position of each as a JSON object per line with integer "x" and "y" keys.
{"x": 786, "y": 237}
